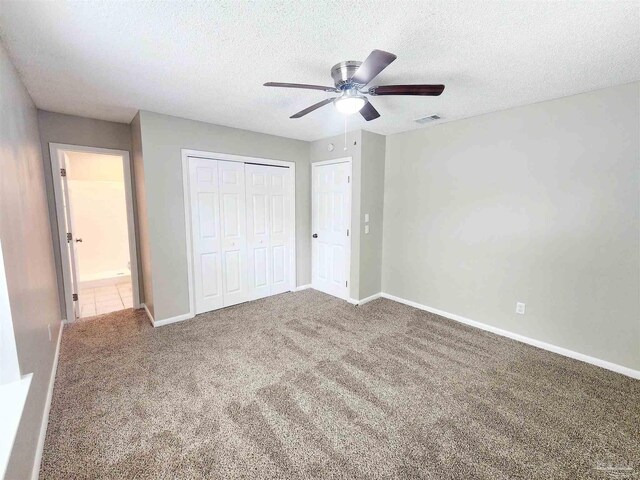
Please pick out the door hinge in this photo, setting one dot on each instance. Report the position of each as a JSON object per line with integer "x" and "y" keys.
{"x": 75, "y": 297}
{"x": 63, "y": 172}
{"x": 347, "y": 232}
{"x": 348, "y": 178}
{"x": 346, "y": 283}
{"x": 69, "y": 237}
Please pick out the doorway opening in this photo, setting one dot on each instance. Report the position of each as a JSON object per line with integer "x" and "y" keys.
{"x": 94, "y": 206}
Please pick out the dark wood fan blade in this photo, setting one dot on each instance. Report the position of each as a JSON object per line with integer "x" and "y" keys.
{"x": 372, "y": 66}
{"x": 431, "y": 90}
{"x": 310, "y": 109}
{"x": 300, "y": 85}
{"x": 369, "y": 112}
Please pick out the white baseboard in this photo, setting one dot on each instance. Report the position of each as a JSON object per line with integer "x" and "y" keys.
{"x": 146, "y": 309}
{"x": 35, "y": 473}
{"x": 614, "y": 367}
{"x": 167, "y": 321}
{"x": 366, "y": 300}
{"x": 187, "y": 316}
{"x": 301, "y": 287}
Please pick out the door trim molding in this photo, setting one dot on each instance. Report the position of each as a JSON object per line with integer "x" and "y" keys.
{"x": 332, "y": 161}
{"x": 236, "y": 158}
{"x": 314, "y": 165}
{"x": 55, "y": 150}
{"x": 186, "y": 153}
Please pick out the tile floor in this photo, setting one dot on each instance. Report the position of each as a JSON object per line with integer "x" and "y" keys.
{"x": 106, "y": 299}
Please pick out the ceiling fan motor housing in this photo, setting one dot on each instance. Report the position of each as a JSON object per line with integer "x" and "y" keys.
{"x": 342, "y": 73}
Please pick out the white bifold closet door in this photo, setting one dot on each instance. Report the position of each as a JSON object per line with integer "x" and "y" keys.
{"x": 205, "y": 234}
{"x": 218, "y": 231}
{"x": 233, "y": 232}
{"x": 241, "y": 231}
{"x": 269, "y": 226}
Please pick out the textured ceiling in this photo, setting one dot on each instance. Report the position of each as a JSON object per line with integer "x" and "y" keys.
{"x": 207, "y": 61}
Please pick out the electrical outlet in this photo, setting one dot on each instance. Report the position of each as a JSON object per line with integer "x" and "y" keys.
{"x": 366, "y": 217}
{"x": 49, "y": 330}
{"x": 520, "y": 308}
{"x": 366, "y": 229}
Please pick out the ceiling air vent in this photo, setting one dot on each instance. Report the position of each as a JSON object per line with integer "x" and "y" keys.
{"x": 430, "y": 118}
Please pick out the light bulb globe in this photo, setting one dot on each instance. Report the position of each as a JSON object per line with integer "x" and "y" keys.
{"x": 349, "y": 104}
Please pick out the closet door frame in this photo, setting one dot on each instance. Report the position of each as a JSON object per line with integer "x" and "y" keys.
{"x": 186, "y": 154}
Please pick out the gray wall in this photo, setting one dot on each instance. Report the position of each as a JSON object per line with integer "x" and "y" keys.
{"x": 163, "y": 137}
{"x": 87, "y": 132}
{"x": 28, "y": 256}
{"x": 372, "y": 202}
{"x": 537, "y": 204}
{"x": 143, "y": 242}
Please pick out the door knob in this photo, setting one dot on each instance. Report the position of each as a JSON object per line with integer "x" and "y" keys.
{"x": 78, "y": 240}
{"x": 315, "y": 235}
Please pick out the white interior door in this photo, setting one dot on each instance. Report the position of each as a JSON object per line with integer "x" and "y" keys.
{"x": 72, "y": 247}
{"x": 331, "y": 224}
{"x": 269, "y": 229}
{"x": 205, "y": 234}
{"x": 233, "y": 235}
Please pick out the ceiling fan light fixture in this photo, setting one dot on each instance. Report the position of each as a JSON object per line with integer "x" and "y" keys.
{"x": 351, "y": 78}
{"x": 349, "y": 103}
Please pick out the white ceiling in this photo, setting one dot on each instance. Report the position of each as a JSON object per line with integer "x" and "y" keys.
{"x": 208, "y": 60}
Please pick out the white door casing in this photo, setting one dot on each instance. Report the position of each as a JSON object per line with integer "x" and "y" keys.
{"x": 331, "y": 222}
{"x": 72, "y": 246}
{"x": 205, "y": 225}
{"x": 233, "y": 236}
{"x": 269, "y": 227}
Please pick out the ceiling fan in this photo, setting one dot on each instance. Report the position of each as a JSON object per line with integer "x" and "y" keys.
{"x": 350, "y": 80}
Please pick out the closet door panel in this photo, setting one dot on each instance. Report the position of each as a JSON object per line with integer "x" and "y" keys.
{"x": 205, "y": 234}
{"x": 279, "y": 263}
{"x": 233, "y": 237}
{"x": 280, "y": 228}
{"x": 257, "y": 184}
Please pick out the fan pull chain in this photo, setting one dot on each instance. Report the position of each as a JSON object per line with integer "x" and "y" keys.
{"x": 345, "y": 133}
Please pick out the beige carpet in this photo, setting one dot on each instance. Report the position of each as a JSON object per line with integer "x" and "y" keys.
{"x": 303, "y": 385}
